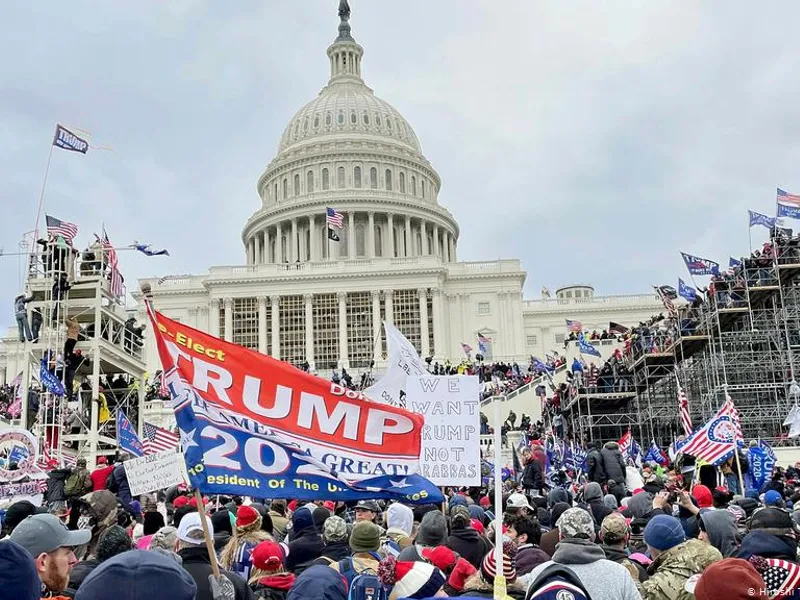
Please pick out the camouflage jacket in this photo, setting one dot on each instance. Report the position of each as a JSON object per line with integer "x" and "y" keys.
{"x": 669, "y": 572}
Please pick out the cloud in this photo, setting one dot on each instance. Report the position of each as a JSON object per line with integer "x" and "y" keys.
{"x": 592, "y": 141}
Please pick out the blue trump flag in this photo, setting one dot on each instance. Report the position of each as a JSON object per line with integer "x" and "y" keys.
{"x": 50, "y": 381}
{"x": 656, "y": 454}
{"x": 685, "y": 291}
{"x": 761, "y": 462}
{"x": 148, "y": 251}
{"x": 732, "y": 262}
{"x": 127, "y": 438}
{"x": 757, "y": 219}
{"x": 585, "y": 347}
{"x": 700, "y": 266}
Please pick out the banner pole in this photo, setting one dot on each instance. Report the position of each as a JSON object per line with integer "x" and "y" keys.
{"x": 499, "y": 580}
{"x": 209, "y": 542}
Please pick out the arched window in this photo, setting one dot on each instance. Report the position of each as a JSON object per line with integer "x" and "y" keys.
{"x": 373, "y": 178}
{"x": 422, "y": 183}
{"x": 431, "y": 247}
{"x": 275, "y": 193}
{"x": 357, "y": 177}
{"x": 340, "y": 177}
{"x": 326, "y": 184}
{"x": 388, "y": 175}
{"x": 309, "y": 182}
{"x": 342, "y": 244}
{"x": 285, "y": 188}
{"x": 402, "y": 178}
{"x": 353, "y": 118}
{"x": 378, "y": 241}
{"x": 297, "y": 185}
{"x": 361, "y": 246}
{"x": 413, "y": 186}
{"x": 419, "y": 244}
{"x": 340, "y": 118}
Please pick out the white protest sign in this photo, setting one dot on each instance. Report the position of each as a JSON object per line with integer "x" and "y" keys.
{"x": 154, "y": 472}
{"x": 451, "y": 453}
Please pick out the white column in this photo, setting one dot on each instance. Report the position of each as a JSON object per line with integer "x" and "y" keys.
{"x": 376, "y": 324}
{"x": 423, "y": 230}
{"x": 371, "y": 235}
{"x": 213, "y": 328}
{"x": 279, "y": 258}
{"x": 193, "y": 310}
{"x": 309, "y": 298}
{"x": 256, "y": 249}
{"x": 262, "y": 324}
{"x": 435, "y": 250}
{"x": 453, "y": 256}
{"x": 387, "y": 299}
{"x": 425, "y": 348}
{"x": 409, "y": 247}
{"x": 438, "y": 324}
{"x": 499, "y": 340}
{"x": 447, "y": 247}
{"x": 342, "y": 297}
{"x": 390, "y": 237}
{"x": 265, "y": 246}
{"x": 314, "y": 239}
{"x": 293, "y": 255}
{"x": 351, "y": 235}
{"x": 228, "y": 319}
{"x": 276, "y": 337}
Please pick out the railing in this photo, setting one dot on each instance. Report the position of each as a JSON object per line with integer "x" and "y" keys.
{"x": 550, "y": 303}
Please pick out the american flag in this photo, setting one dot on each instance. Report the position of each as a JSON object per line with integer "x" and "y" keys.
{"x": 65, "y": 229}
{"x": 333, "y": 218}
{"x": 781, "y": 577}
{"x": 157, "y": 439}
{"x": 715, "y": 441}
{"x": 466, "y": 348}
{"x": 625, "y": 443}
{"x": 575, "y": 326}
{"x": 113, "y": 263}
{"x": 683, "y": 409}
{"x": 666, "y": 300}
{"x": 788, "y": 199}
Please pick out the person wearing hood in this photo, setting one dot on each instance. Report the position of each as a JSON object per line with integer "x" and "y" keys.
{"x": 476, "y": 512}
{"x": 96, "y": 511}
{"x": 306, "y": 545}
{"x": 464, "y": 540}
{"x": 675, "y": 559}
{"x": 611, "y": 502}
{"x": 337, "y": 541}
{"x": 551, "y": 538}
{"x": 56, "y": 495}
{"x": 247, "y": 534}
{"x": 771, "y": 545}
{"x": 277, "y": 512}
{"x": 593, "y": 496}
{"x": 269, "y": 579}
{"x": 115, "y": 540}
{"x": 603, "y": 579}
{"x": 718, "y": 528}
{"x": 320, "y": 583}
{"x": 223, "y": 529}
{"x": 121, "y": 479}
{"x": 432, "y": 532}
{"x": 614, "y": 468}
{"x": 614, "y": 535}
{"x": 400, "y": 524}
{"x": 555, "y": 496}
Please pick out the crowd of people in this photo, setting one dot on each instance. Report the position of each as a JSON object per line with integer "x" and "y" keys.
{"x": 623, "y": 533}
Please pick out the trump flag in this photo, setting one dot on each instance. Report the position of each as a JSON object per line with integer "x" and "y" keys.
{"x": 252, "y": 425}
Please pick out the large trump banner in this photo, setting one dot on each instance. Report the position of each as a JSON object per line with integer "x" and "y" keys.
{"x": 256, "y": 426}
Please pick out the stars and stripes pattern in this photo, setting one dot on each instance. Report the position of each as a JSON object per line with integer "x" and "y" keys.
{"x": 715, "y": 441}
{"x": 780, "y": 576}
{"x": 157, "y": 439}
{"x": 57, "y": 227}
{"x": 787, "y": 198}
{"x": 115, "y": 278}
{"x": 788, "y": 205}
{"x": 683, "y": 410}
{"x": 666, "y": 301}
{"x": 334, "y": 218}
{"x": 466, "y": 348}
{"x": 625, "y": 443}
{"x": 575, "y": 326}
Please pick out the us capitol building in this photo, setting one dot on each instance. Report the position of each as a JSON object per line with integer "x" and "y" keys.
{"x": 301, "y": 297}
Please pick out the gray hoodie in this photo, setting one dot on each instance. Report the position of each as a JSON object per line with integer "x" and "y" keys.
{"x": 720, "y": 525}
{"x": 602, "y": 578}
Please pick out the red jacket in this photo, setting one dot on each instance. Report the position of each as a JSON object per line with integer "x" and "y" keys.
{"x": 99, "y": 477}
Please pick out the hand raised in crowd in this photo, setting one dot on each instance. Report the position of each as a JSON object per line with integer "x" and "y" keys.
{"x": 661, "y": 500}
{"x": 222, "y": 589}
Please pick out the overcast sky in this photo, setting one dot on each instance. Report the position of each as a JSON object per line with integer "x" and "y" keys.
{"x": 591, "y": 140}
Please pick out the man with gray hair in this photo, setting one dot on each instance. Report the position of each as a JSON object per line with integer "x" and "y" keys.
{"x": 602, "y": 578}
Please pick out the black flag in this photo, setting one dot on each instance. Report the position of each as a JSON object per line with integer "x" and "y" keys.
{"x": 332, "y": 235}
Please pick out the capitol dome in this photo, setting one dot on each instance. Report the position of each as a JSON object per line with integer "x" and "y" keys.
{"x": 354, "y": 153}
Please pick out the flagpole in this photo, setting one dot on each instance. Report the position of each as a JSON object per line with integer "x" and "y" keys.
{"x": 41, "y": 194}
{"x": 499, "y": 581}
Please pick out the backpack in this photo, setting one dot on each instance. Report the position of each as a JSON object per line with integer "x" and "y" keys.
{"x": 557, "y": 582}
{"x": 364, "y": 585}
{"x": 78, "y": 484}
{"x": 112, "y": 485}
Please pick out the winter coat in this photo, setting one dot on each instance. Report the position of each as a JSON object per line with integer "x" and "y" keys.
{"x": 102, "y": 506}
{"x": 333, "y": 553}
{"x": 19, "y": 305}
{"x": 603, "y": 579}
{"x": 594, "y": 464}
{"x": 529, "y": 556}
{"x": 121, "y": 477}
{"x": 620, "y": 556}
{"x": 469, "y": 544}
{"x": 80, "y": 572}
{"x": 477, "y": 587}
{"x": 593, "y": 496}
{"x": 306, "y": 547}
{"x": 766, "y": 545}
{"x": 613, "y": 463}
{"x": 279, "y": 523}
{"x": 669, "y": 572}
{"x": 197, "y": 564}
{"x": 721, "y": 529}
{"x": 532, "y": 476}
{"x": 56, "y": 483}
{"x": 274, "y": 587}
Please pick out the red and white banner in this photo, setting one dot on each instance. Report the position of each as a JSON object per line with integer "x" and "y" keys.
{"x": 229, "y": 384}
